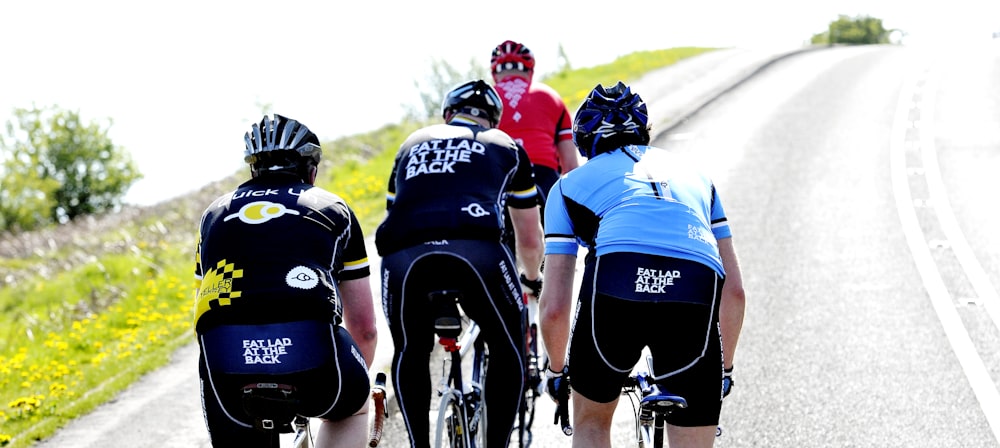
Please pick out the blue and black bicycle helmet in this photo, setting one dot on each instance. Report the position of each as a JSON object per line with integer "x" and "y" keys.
{"x": 476, "y": 98}
{"x": 281, "y": 144}
{"x": 610, "y": 118}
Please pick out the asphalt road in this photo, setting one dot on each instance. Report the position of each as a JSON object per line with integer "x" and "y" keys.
{"x": 860, "y": 183}
{"x": 839, "y": 170}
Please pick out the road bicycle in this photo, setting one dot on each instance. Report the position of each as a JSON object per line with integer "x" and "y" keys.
{"x": 461, "y": 420}
{"x": 651, "y": 405}
{"x": 273, "y": 405}
{"x": 534, "y": 363}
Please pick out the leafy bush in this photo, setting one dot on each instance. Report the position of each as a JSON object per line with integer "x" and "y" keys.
{"x": 859, "y": 30}
{"x": 55, "y": 168}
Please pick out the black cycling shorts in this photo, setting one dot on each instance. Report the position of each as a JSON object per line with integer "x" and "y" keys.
{"x": 617, "y": 318}
{"x": 486, "y": 275}
{"x": 319, "y": 359}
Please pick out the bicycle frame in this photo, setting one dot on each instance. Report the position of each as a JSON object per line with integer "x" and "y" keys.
{"x": 460, "y": 413}
{"x": 653, "y": 407}
{"x": 303, "y": 435}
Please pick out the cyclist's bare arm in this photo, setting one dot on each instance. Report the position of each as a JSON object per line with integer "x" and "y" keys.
{"x": 733, "y": 303}
{"x": 530, "y": 244}
{"x": 555, "y": 307}
{"x": 568, "y": 156}
{"x": 359, "y": 315}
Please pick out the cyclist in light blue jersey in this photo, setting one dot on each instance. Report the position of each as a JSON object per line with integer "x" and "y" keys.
{"x": 661, "y": 272}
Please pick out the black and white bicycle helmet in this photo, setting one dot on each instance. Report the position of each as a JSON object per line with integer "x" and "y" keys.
{"x": 476, "y": 98}
{"x": 281, "y": 143}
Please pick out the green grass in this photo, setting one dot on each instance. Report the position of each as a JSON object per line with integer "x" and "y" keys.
{"x": 576, "y": 84}
{"x": 113, "y": 302}
{"x": 74, "y": 340}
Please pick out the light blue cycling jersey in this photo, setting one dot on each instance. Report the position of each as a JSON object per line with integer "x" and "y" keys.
{"x": 637, "y": 199}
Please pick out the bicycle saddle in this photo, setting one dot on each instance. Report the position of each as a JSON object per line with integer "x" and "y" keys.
{"x": 447, "y": 320}
{"x": 659, "y": 398}
{"x": 272, "y": 405}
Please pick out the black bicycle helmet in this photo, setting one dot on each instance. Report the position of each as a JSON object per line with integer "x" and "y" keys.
{"x": 610, "y": 118}
{"x": 281, "y": 144}
{"x": 476, "y": 98}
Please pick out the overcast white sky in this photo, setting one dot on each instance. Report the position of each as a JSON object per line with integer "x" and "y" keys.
{"x": 184, "y": 79}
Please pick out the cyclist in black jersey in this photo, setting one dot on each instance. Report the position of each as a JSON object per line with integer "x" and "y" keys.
{"x": 446, "y": 196}
{"x": 285, "y": 297}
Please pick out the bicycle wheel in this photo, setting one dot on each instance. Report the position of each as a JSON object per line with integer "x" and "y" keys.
{"x": 480, "y": 360}
{"x": 525, "y": 416}
{"x": 451, "y": 428}
{"x": 526, "y": 413}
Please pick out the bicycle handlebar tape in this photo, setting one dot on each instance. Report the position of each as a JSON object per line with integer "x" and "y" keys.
{"x": 381, "y": 412}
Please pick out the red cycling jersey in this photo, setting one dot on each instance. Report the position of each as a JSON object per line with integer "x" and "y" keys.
{"x": 535, "y": 116}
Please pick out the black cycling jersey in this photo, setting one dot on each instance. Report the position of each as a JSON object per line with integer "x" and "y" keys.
{"x": 452, "y": 181}
{"x": 275, "y": 239}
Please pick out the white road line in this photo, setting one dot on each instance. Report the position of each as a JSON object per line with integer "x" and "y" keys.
{"x": 959, "y": 245}
{"x": 965, "y": 351}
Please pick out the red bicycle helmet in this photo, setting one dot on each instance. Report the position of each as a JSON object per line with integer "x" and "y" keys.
{"x": 511, "y": 55}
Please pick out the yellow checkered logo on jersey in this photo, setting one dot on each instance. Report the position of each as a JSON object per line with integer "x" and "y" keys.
{"x": 217, "y": 288}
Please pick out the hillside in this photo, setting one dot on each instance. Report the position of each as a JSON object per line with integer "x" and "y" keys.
{"x": 44, "y": 253}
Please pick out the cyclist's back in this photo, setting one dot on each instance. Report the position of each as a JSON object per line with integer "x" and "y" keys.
{"x": 448, "y": 187}
{"x": 449, "y": 182}
{"x": 660, "y": 249}
{"x": 284, "y": 276}
{"x": 539, "y": 120}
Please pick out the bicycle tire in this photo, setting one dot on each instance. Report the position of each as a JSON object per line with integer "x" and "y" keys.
{"x": 481, "y": 362}
{"x": 450, "y": 430}
{"x": 526, "y": 413}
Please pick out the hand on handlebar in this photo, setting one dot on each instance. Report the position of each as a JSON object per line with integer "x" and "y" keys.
{"x": 557, "y": 386}
{"x": 557, "y": 383}
{"x": 531, "y": 287}
{"x": 727, "y": 382}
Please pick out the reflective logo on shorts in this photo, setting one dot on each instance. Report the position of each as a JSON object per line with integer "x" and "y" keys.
{"x": 654, "y": 281}
{"x": 360, "y": 359}
{"x": 265, "y": 351}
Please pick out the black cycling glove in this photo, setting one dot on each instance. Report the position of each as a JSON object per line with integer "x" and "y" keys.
{"x": 557, "y": 383}
{"x": 727, "y": 381}
{"x": 531, "y": 287}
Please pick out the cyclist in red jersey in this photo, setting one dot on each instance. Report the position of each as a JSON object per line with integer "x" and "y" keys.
{"x": 536, "y": 117}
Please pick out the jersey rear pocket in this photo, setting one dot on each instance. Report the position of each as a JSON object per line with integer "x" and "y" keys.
{"x": 653, "y": 278}
{"x": 271, "y": 349}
